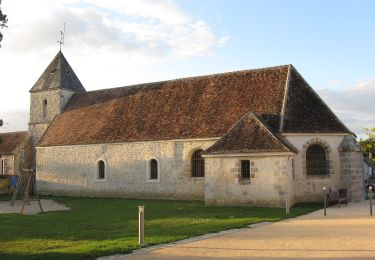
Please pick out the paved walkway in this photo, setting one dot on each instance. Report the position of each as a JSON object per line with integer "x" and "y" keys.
{"x": 346, "y": 233}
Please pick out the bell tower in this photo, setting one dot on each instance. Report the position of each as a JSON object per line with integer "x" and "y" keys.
{"x": 50, "y": 94}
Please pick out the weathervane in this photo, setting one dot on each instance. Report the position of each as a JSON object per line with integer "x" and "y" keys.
{"x": 62, "y": 37}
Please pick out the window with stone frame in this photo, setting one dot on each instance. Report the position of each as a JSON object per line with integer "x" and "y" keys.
{"x": 197, "y": 164}
{"x": 153, "y": 169}
{"x": 316, "y": 162}
{"x": 245, "y": 169}
{"x": 101, "y": 170}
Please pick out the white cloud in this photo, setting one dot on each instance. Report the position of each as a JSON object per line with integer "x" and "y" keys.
{"x": 147, "y": 29}
{"x": 354, "y": 106}
{"x": 108, "y": 43}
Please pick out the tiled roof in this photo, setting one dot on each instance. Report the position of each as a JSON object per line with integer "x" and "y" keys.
{"x": 250, "y": 135}
{"x": 58, "y": 75}
{"x": 306, "y": 112}
{"x": 9, "y": 142}
{"x": 198, "y": 107}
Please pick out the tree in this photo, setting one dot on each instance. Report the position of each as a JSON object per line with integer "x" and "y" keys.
{"x": 3, "y": 22}
{"x": 368, "y": 144}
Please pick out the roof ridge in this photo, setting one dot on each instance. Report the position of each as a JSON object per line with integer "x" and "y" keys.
{"x": 189, "y": 78}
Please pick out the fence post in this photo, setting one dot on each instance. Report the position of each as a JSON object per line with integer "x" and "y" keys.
{"x": 370, "y": 197}
{"x": 287, "y": 203}
{"x": 141, "y": 218}
{"x": 325, "y": 200}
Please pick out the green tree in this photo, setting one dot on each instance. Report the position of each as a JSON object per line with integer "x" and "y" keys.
{"x": 3, "y": 22}
{"x": 368, "y": 144}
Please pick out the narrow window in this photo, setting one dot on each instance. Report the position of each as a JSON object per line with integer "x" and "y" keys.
{"x": 154, "y": 169}
{"x": 293, "y": 170}
{"x": 197, "y": 164}
{"x": 245, "y": 169}
{"x": 45, "y": 109}
{"x": 101, "y": 170}
{"x": 316, "y": 160}
{"x": 3, "y": 167}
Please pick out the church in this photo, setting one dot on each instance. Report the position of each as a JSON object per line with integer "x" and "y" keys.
{"x": 248, "y": 137}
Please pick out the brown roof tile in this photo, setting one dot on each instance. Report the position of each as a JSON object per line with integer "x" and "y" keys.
{"x": 250, "y": 135}
{"x": 11, "y": 141}
{"x": 306, "y": 112}
{"x": 197, "y": 107}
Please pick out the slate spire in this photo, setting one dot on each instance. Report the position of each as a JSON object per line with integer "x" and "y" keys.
{"x": 58, "y": 75}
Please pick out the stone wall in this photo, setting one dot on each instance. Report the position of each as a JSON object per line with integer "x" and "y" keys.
{"x": 310, "y": 188}
{"x": 56, "y": 101}
{"x": 72, "y": 170}
{"x": 352, "y": 168}
{"x": 270, "y": 181}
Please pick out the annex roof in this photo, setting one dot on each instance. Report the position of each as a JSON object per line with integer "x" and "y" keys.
{"x": 58, "y": 75}
{"x": 250, "y": 135}
{"x": 9, "y": 142}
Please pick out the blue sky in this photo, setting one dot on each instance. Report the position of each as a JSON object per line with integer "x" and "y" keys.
{"x": 121, "y": 42}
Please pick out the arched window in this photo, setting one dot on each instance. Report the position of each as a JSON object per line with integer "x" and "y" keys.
{"x": 45, "y": 114}
{"x": 316, "y": 160}
{"x": 197, "y": 164}
{"x": 153, "y": 169}
{"x": 101, "y": 170}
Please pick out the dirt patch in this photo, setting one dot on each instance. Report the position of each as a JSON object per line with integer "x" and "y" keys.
{"x": 32, "y": 208}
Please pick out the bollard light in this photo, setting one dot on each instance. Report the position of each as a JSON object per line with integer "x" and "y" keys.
{"x": 325, "y": 200}
{"x": 141, "y": 238}
{"x": 370, "y": 197}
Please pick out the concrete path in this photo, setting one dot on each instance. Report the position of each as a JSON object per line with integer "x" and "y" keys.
{"x": 33, "y": 208}
{"x": 346, "y": 233}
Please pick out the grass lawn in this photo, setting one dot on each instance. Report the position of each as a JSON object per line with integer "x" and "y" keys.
{"x": 98, "y": 227}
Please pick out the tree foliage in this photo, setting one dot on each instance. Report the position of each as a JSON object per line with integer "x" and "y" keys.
{"x": 3, "y": 23}
{"x": 368, "y": 144}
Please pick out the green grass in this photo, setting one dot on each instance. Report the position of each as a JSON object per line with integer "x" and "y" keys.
{"x": 98, "y": 227}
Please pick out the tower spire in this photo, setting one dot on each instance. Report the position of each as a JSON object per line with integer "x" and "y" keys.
{"x": 62, "y": 37}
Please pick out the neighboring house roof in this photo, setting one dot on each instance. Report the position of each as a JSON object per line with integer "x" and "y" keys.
{"x": 250, "y": 135}
{"x": 11, "y": 141}
{"x": 197, "y": 107}
{"x": 58, "y": 75}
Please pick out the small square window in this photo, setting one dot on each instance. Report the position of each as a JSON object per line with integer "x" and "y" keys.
{"x": 245, "y": 169}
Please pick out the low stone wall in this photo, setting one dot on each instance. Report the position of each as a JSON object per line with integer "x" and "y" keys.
{"x": 270, "y": 181}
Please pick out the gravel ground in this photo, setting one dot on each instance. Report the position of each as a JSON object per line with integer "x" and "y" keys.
{"x": 33, "y": 208}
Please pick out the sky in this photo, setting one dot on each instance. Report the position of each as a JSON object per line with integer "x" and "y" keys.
{"x": 121, "y": 42}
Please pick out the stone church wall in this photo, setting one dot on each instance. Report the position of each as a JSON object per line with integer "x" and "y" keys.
{"x": 270, "y": 181}
{"x": 310, "y": 188}
{"x": 56, "y": 101}
{"x": 72, "y": 170}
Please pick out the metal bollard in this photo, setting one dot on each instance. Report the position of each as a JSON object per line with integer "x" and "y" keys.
{"x": 325, "y": 200}
{"x": 141, "y": 212}
{"x": 370, "y": 197}
{"x": 287, "y": 204}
